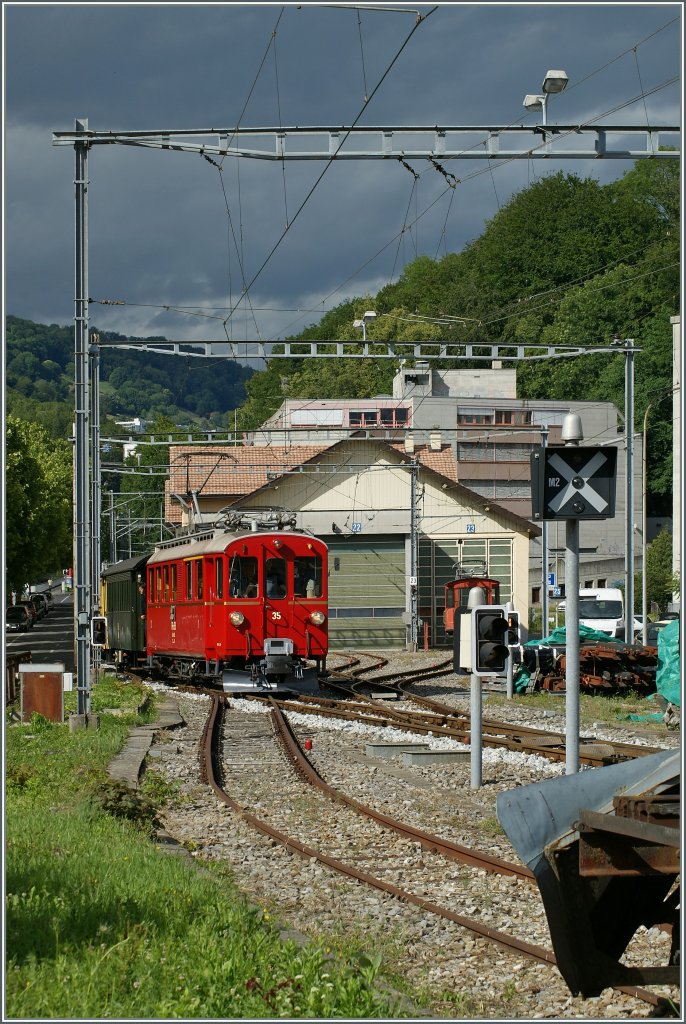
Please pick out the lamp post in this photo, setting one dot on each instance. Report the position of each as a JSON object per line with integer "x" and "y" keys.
{"x": 629, "y": 507}
{"x": 644, "y": 573}
{"x": 555, "y": 81}
{"x": 362, "y": 324}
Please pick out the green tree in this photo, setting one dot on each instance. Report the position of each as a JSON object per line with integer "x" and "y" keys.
{"x": 659, "y": 580}
{"x": 38, "y": 491}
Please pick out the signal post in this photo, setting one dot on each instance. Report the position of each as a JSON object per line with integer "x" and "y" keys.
{"x": 489, "y": 656}
{"x": 573, "y": 483}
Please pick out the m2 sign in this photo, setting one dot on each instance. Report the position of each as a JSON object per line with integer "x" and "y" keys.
{"x": 573, "y": 483}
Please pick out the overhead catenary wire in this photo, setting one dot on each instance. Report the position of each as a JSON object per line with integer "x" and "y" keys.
{"x": 328, "y": 164}
{"x": 363, "y": 266}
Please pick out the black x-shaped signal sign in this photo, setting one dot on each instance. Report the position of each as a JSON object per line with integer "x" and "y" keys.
{"x": 573, "y": 483}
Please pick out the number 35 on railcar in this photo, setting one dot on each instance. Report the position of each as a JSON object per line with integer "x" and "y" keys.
{"x": 246, "y": 609}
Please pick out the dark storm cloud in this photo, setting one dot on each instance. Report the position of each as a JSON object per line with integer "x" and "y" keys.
{"x": 159, "y": 229}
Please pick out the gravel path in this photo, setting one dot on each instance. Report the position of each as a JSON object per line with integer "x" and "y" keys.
{"x": 451, "y": 972}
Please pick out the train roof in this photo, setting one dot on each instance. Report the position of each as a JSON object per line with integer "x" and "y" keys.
{"x": 217, "y": 542}
{"x": 126, "y": 565}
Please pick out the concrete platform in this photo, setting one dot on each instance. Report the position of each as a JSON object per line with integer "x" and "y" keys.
{"x": 389, "y": 749}
{"x": 423, "y": 757}
{"x": 129, "y": 764}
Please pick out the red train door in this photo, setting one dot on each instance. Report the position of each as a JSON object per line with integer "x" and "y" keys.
{"x": 276, "y": 605}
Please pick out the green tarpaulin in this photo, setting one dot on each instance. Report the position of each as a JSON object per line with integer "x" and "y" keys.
{"x": 668, "y": 679}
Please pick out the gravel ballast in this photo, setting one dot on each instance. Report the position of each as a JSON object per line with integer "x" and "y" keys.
{"x": 448, "y": 971}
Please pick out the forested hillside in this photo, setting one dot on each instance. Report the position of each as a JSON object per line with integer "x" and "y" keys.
{"x": 566, "y": 261}
{"x": 40, "y": 376}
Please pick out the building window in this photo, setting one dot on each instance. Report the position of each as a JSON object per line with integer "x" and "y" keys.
{"x": 504, "y": 416}
{"x": 386, "y": 416}
{"x": 601, "y": 583}
{"x": 535, "y": 595}
{"x": 355, "y": 419}
{"x": 402, "y": 416}
{"x": 467, "y": 418}
{"x": 370, "y": 418}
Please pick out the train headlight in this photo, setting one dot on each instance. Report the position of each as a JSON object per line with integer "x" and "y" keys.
{"x": 318, "y": 618}
{"x": 237, "y": 618}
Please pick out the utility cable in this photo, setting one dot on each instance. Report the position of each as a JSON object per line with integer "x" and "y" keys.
{"x": 328, "y": 164}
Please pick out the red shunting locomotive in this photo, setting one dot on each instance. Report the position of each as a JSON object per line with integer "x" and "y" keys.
{"x": 244, "y": 607}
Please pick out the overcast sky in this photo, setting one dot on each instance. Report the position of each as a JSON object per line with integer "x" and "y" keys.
{"x": 159, "y": 229}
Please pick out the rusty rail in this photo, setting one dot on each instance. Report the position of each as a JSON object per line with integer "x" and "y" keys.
{"x": 495, "y": 734}
{"x": 433, "y": 843}
{"x": 211, "y": 772}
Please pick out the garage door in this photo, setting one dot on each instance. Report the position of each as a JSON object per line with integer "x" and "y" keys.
{"x": 366, "y": 592}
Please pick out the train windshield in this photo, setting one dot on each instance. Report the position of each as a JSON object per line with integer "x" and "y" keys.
{"x": 243, "y": 576}
{"x": 275, "y": 575}
{"x": 308, "y": 576}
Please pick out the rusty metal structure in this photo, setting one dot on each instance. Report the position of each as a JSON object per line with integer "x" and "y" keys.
{"x": 603, "y": 668}
{"x": 604, "y": 846}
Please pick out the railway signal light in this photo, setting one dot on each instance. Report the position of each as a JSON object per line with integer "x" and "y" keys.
{"x": 489, "y": 640}
{"x": 98, "y": 631}
{"x": 513, "y": 636}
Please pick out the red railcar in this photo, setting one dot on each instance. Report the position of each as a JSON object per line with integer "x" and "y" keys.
{"x": 457, "y": 595}
{"x": 246, "y": 607}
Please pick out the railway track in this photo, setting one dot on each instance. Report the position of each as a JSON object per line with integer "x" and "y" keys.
{"x": 243, "y": 764}
{"x": 450, "y": 724}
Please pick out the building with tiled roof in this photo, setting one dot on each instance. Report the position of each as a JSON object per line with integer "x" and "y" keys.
{"x": 390, "y": 514}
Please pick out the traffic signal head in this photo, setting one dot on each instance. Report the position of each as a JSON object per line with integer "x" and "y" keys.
{"x": 489, "y": 640}
{"x": 512, "y": 638}
{"x": 98, "y": 631}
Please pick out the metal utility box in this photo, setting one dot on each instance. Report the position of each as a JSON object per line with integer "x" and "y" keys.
{"x": 42, "y": 691}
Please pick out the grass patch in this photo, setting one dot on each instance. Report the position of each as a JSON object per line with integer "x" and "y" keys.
{"x": 101, "y": 924}
{"x": 607, "y": 710}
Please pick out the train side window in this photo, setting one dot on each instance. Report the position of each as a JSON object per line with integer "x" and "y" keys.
{"x": 243, "y": 576}
{"x": 151, "y": 583}
{"x": 189, "y": 580}
{"x": 275, "y": 575}
{"x": 173, "y": 583}
{"x": 165, "y": 579}
{"x": 307, "y": 576}
{"x": 158, "y": 584}
{"x": 199, "y": 571}
{"x": 219, "y": 577}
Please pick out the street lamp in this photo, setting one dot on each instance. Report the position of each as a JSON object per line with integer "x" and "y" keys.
{"x": 555, "y": 81}
{"x": 362, "y": 324}
{"x": 644, "y": 538}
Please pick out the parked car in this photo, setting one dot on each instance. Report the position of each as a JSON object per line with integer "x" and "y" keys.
{"x": 654, "y": 628}
{"x": 18, "y": 619}
{"x": 30, "y": 607}
{"x": 42, "y": 604}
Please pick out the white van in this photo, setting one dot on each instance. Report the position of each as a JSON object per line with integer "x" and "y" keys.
{"x": 602, "y": 608}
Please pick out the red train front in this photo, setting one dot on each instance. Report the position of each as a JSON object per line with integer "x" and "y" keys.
{"x": 247, "y": 608}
